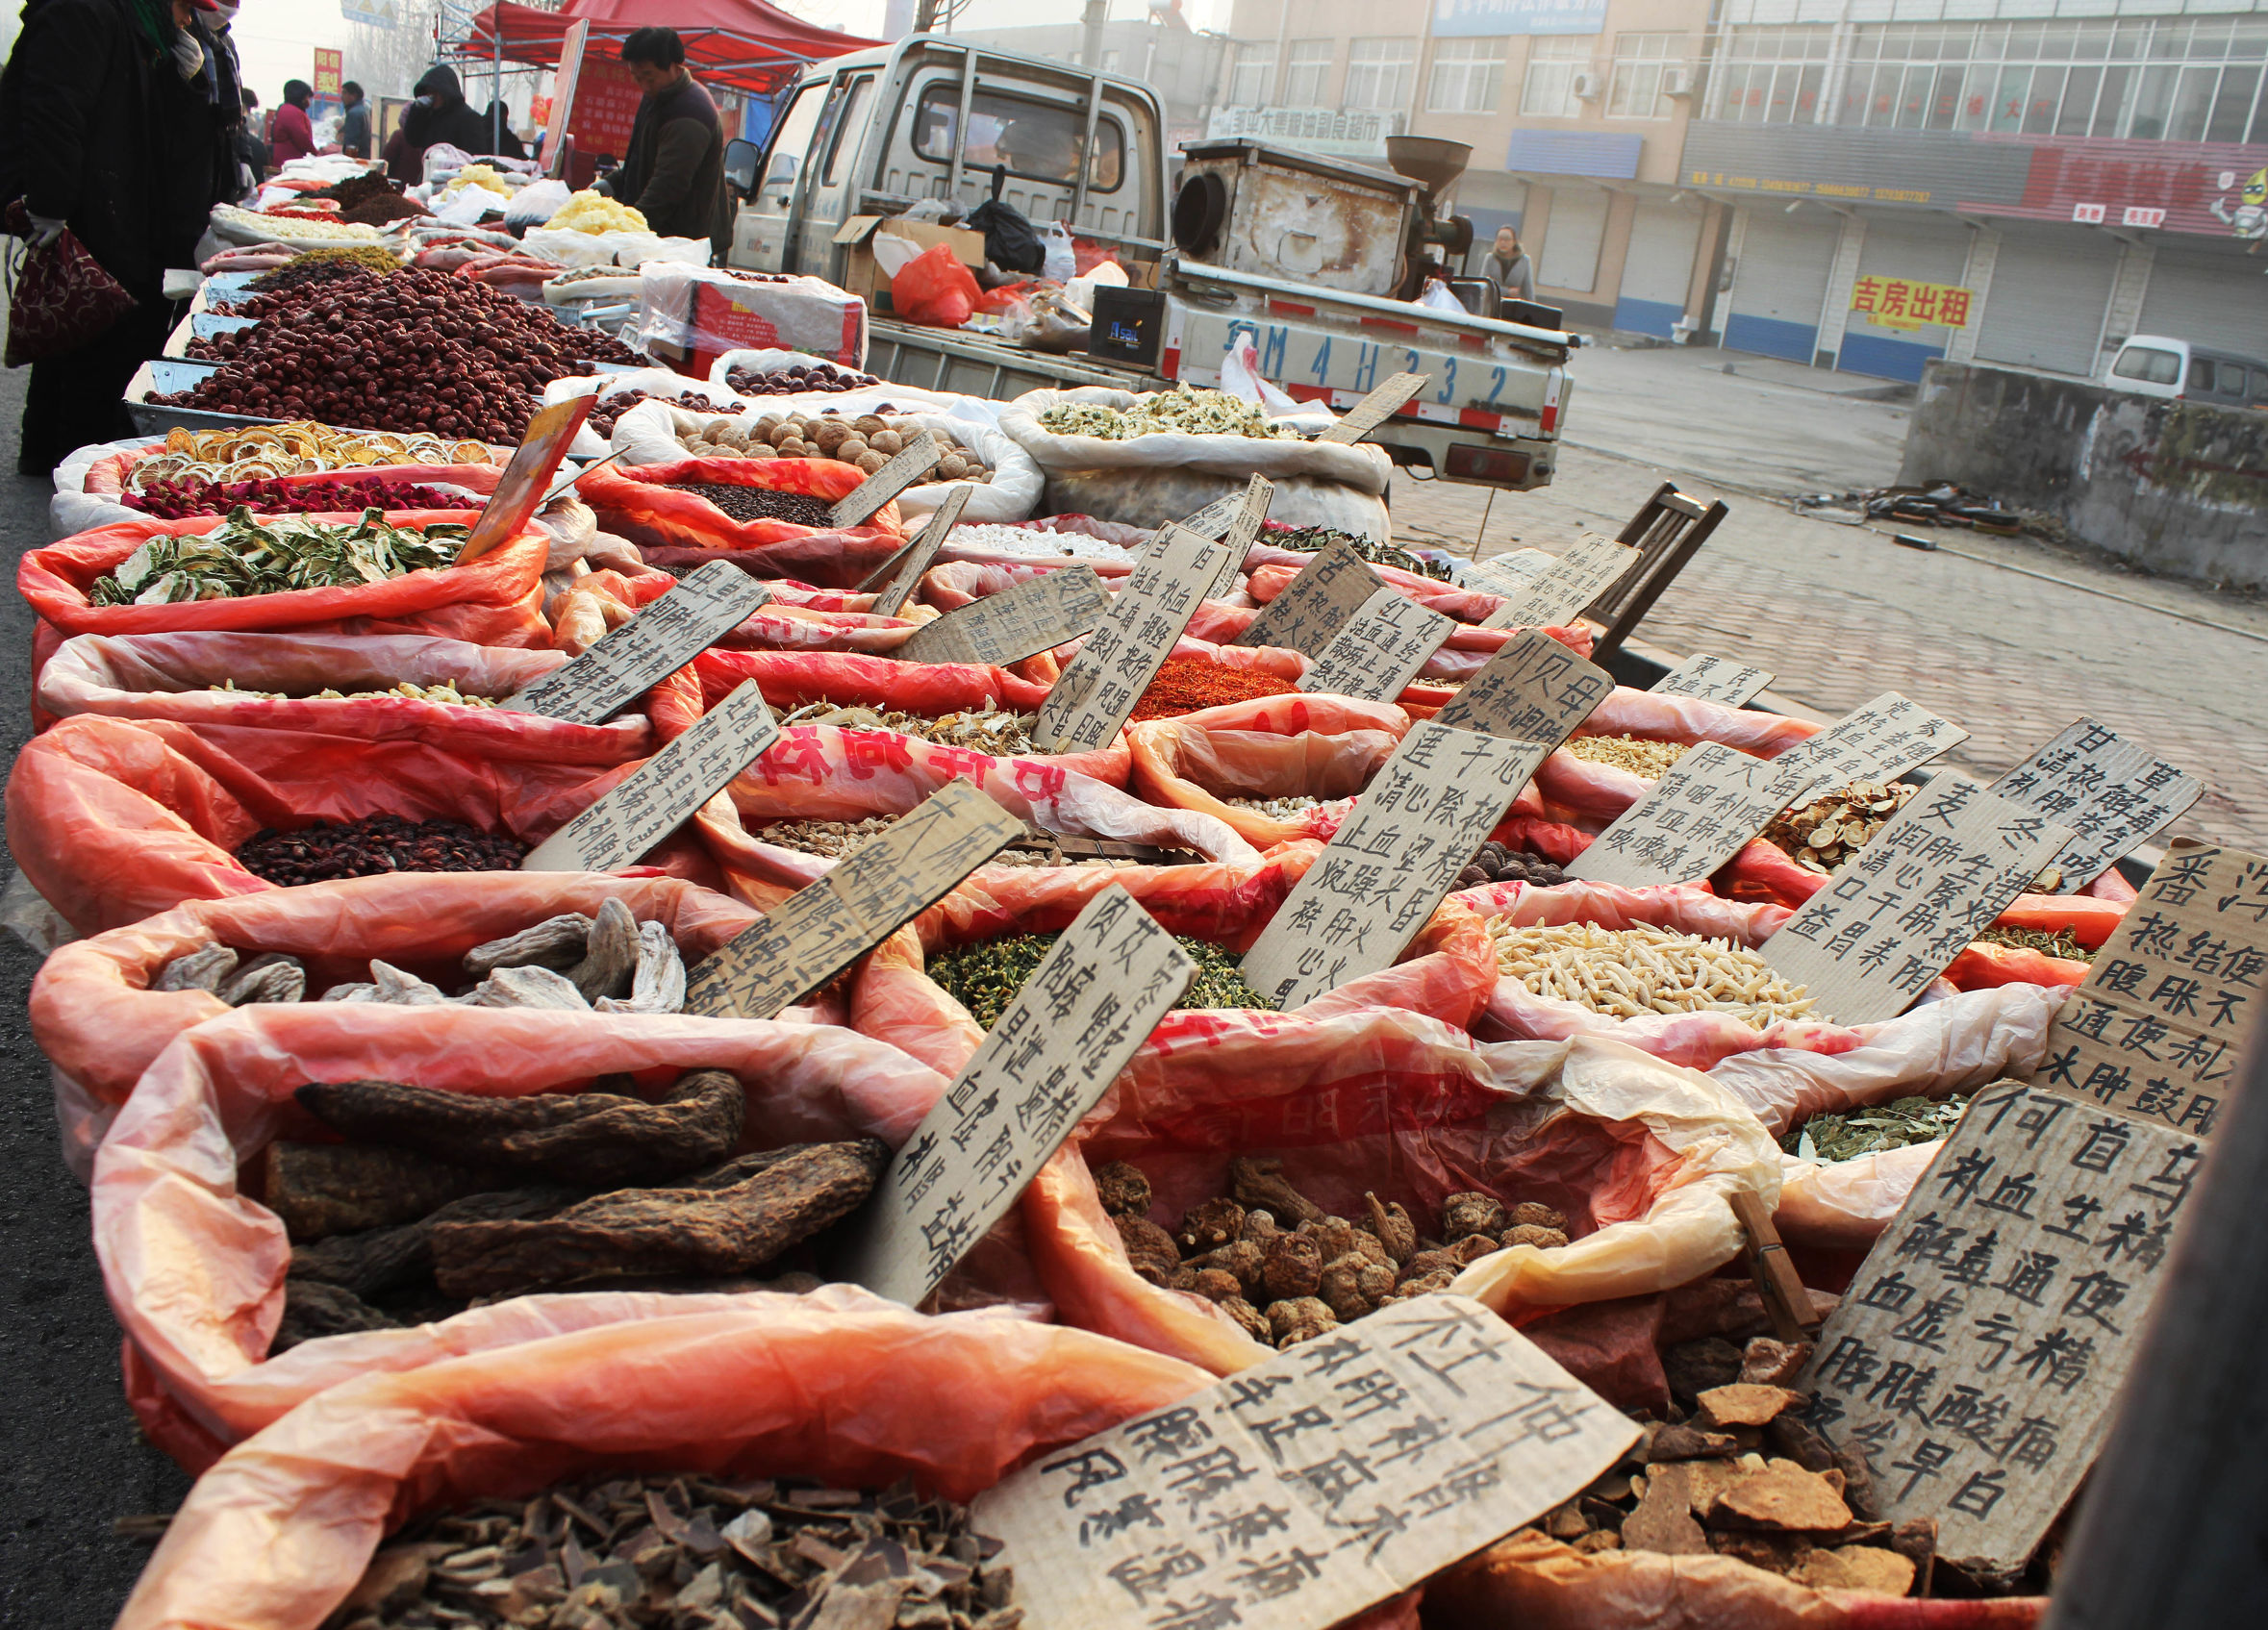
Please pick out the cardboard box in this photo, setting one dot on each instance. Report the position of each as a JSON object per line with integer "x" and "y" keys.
{"x": 862, "y": 277}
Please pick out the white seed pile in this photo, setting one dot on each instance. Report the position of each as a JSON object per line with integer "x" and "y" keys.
{"x": 445, "y": 691}
{"x": 1634, "y": 753}
{"x": 1630, "y": 972}
{"x": 1027, "y": 540}
{"x": 1276, "y": 809}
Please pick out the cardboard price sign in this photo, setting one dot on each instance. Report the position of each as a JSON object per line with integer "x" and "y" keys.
{"x": 1243, "y": 527}
{"x": 919, "y": 457}
{"x": 563, "y": 95}
{"x": 865, "y": 897}
{"x": 1699, "y": 816}
{"x": 1897, "y": 913}
{"x": 1533, "y": 690}
{"x": 1033, "y": 616}
{"x": 916, "y": 557}
{"x": 1379, "y": 649}
{"x": 2155, "y": 1029}
{"x": 1077, "y": 1021}
{"x": 656, "y": 799}
{"x": 1561, "y": 590}
{"x": 2111, "y": 791}
{"x": 1376, "y": 409}
{"x": 1506, "y": 574}
{"x": 519, "y": 491}
{"x": 1976, "y": 1359}
{"x": 655, "y": 644}
{"x": 1420, "y": 822}
{"x": 1294, "y": 1495}
{"x": 1090, "y": 703}
{"x": 1314, "y": 606}
{"x": 1713, "y": 679}
{"x": 1879, "y": 742}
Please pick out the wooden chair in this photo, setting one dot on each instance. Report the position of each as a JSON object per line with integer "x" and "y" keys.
{"x": 1668, "y": 530}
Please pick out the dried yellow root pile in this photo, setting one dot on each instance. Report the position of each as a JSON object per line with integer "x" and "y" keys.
{"x": 1630, "y": 972}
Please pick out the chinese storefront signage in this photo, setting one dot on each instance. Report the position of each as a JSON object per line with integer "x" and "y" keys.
{"x": 1897, "y": 302}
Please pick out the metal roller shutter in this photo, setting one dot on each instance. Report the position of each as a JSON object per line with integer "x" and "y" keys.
{"x": 2208, "y": 296}
{"x": 1657, "y": 267}
{"x": 1778, "y": 284}
{"x": 1572, "y": 232}
{"x": 1919, "y": 250}
{"x": 2050, "y": 287}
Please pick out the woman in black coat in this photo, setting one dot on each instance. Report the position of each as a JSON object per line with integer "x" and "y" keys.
{"x": 116, "y": 119}
{"x": 441, "y": 114}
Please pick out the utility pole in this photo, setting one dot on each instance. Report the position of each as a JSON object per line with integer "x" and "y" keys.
{"x": 1091, "y": 19}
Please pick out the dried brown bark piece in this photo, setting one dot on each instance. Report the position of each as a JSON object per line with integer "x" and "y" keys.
{"x": 557, "y": 942}
{"x": 324, "y": 1189}
{"x": 272, "y": 977}
{"x": 658, "y": 986}
{"x": 379, "y": 1259}
{"x": 528, "y": 987}
{"x": 200, "y": 970}
{"x": 1260, "y": 1185}
{"x": 313, "y": 1309}
{"x": 597, "y": 1139}
{"x": 612, "y": 957}
{"x": 700, "y": 1230}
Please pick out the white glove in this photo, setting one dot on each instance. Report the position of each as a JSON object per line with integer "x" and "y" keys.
{"x": 44, "y": 231}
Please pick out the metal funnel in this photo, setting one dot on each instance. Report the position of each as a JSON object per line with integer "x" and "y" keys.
{"x": 1430, "y": 161}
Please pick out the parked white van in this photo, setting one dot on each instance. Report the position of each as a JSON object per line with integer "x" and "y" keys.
{"x": 2150, "y": 365}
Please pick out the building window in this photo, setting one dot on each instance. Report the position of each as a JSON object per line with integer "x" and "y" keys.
{"x": 1642, "y": 65}
{"x": 1548, "y": 90}
{"x": 1380, "y": 73}
{"x": 1466, "y": 74}
{"x": 1305, "y": 71}
{"x": 1252, "y": 77}
{"x": 1770, "y": 75}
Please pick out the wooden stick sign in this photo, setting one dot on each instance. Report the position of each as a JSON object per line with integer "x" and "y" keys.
{"x": 1700, "y": 813}
{"x": 916, "y": 557}
{"x": 1533, "y": 690}
{"x": 865, "y": 897}
{"x": 1235, "y": 521}
{"x": 1713, "y": 679}
{"x": 2111, "y": 791}
{"x": 520, "y": 489}
{"x": 1034, "y": 615}
{"x": 1560, "y": 590}
{"x": 655, "y": 644}
{"x": 657, "y": 797}
{"x": 1375, "y": 410}
{"x": 1091, "y": 700}
{"x": 1379, "y": 649}
{"x": 1078, "y": 1021}
{"x": 1879, "y": 741}
{"x": 1333, "y": 586}
{"x": 918, "y": 459}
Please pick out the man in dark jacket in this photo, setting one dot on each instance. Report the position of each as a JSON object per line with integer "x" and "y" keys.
{"x": 439, "y": 114}
{"x": 673, "y": 173}
{"x": 116, "y": 119}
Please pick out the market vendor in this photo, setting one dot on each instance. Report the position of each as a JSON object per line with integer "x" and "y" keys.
{"x": 673, "y": 173}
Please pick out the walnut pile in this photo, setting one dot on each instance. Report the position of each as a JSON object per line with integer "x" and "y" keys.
{"x": 1739, "y": 1472}
{"x": 1291, "y": 1280}
{"x": 869, "y": 441}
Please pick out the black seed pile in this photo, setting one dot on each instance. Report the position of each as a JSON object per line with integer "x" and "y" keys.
{"x": 374, "y": 845}
{"x": 761, "y": 503}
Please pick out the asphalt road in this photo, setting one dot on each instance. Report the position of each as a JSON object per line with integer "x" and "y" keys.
{"x": 71, "y": 1458}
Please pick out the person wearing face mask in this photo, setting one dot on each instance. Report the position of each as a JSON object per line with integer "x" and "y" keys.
{"x": 116, "y": 120}
{"x": 439, "y": 114}
{"x": 290, "y": 135}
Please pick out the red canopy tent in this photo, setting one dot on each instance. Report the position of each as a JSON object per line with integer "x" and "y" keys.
{"x": 741, "y": 44}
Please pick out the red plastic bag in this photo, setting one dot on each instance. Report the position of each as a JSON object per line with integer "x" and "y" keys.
{"x": 171, "y": 676}
{"x": 644, "y": 505}
{"x": 194, "y": 1268}
{"x": 934, "y": 287}
{"x": 112, "y": 820}
{"x": 604, "y": 600}
{"x": 97, "y": 1019}
{"x": 838, "y": 1385}
{"x": 1318, "y": 746}
{"x": 498, "y": 600}
{"x": 795, "y": 679}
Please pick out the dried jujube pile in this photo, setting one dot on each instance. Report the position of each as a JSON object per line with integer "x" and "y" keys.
{"x": 326, "y": 850}
{"x": 1287, "y": 1271}
{"x": 797, "y": 378}
{"x": 689, "y": 1552}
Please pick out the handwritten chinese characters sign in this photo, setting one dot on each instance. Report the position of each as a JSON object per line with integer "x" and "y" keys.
{"x": 1879, "y": 741}
{"x": 1083, "y": 1014}
{"x": 2155, "y": 1028}
{"x": 655, "y": 644}
{"x": 818, "y": 931}
{"x": 1713, "y": 679}
{"x": 1420, "y": 822}
{"x": 1897, "y": 302}
{"x": 1975, "y": 1359}
{"x": 1376, "y": 409}
{"x": 2111, "y": 793}
{"x": 999, "y": 629}
{"x": 1505, "y": 575}
{"x": 1379, "y": 649}
{"x": 1298, "y": 1493}
{"x": 1902, "y": 908}
{"x": 1098, "y": 689}
{"x": 1561, "y": 590}
{"x": 1314, "y": 606}
{"x": 1533, "y": 690}
{"x": 656, "y": 798}
{"x": 887, "y": 483}
{"x": 1699, "y": 816}
{"x": 916, "y": 557}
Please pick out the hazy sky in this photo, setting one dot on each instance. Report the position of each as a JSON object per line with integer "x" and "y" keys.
{"x": 277, "y": 39}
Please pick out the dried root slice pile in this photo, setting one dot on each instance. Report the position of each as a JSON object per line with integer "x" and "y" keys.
{"x": 1821, "y": 834}
{"x": 1641, "y": 757}
{"x": 1630, "y": 972}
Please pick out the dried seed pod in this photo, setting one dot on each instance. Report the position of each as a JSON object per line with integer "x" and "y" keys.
{"x": 272, "y": 977}
{"x": 1375, "y": 1281}
{"x": 1423, "y": 1284}
{"x": 1299, "y": 1319}
{"x": 1471, "y": 1248}
{"x": 1217, "y": 1284}
{"x": 1422, "y": 1263}
{"x": 1211, "y": 1225}
{"x": 403, "y": 990}
{"x": 1149, "y": 1248}
{"x": 529, "y": 987}
{"x": 201, "y": 969}
{"x": 1340, "y": 1287}
{"x": 1472, "y": 1213}
{"x": 658, "y": 984}
{"x": 1260, "y": 1227}
{"x": 1394, "y": 1228}
{"x": 1242, "y": 1258}
{"x": 1291, "y": 1265}
{"x": 1530, "y": 1213}
{"x": 1123, "y": 1191}
{"x": 1528, "y": 1234}
{"x": 611, "y": 957}
{"x": 1253, "y": 1321}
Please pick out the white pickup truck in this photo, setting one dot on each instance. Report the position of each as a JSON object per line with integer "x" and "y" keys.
{"x": 933, "y": 117}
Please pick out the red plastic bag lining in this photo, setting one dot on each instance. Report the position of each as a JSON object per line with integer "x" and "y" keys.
{"x": 1319, "y": 747}
{"x": 97, "y": 1020}
{"x": 498, "y": 600}
{"x": 601, "y": 601}
{"x": 1266, "y": 580}
{"x": 935, "y": 288}
{"x": 838, "y": 1385}
{"x": 194, "y": 1268}
{"x": 1464, "y": 653}
{"x": 640, "y": 504}
{"x": 112, "y": 820}
{"x": 168, "y": 676}
{"x": 106, "y": 477}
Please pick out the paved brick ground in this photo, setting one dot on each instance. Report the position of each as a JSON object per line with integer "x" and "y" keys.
{"x": 1841, "y": 613}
